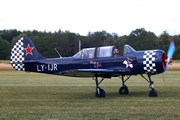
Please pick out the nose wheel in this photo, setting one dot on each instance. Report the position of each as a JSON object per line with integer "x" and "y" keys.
{"x": 153, "y": 92}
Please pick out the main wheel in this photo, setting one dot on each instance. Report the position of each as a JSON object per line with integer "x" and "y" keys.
{"x": 124, "y": 90}
{"x": 153, "y": 93}
{"x": 101, "y": 93}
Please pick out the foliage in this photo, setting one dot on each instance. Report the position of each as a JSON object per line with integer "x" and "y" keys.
{"x": 4, "y": 49}
{"x": 67, "y": 43}
{"x": 140, "y": 39}
{"x": 9, "y": 34}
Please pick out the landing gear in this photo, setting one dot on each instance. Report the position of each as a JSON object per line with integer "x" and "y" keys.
{"x": 153, "y": 92}
{"x": 124, "y": 89}
{"x": 99, "y": 92}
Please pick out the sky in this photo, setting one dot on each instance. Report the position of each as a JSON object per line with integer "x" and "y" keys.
{"x": 83, "y": 16}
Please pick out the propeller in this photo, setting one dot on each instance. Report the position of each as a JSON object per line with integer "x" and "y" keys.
{"x": 170, "y": 53}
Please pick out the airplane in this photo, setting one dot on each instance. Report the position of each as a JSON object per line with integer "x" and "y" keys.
{"x": 96, "y": 62}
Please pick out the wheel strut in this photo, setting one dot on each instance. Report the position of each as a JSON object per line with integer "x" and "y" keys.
{"x": 124, "y": 89}
{"x": 153, "y": 92}
{"x": 99, "y": 92}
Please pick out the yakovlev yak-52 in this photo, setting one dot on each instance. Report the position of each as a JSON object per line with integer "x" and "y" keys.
{"x": 97, "y": 62}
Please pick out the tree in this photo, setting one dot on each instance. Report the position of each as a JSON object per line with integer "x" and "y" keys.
{"x": 5, "y": 49}
{"x": 176, "y": 39}
{"x": 163, "y": 41}
{"x": 16, "y": 38}
{"x": 140, "y": 39}
{"x": 9, "y": 34}
{"x": 94, "y": 40}
{"x": 73, "y": 40}
{"x": 67, "y": 43}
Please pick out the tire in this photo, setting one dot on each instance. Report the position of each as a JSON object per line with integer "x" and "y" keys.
{"x": 153, "y": 93}
{"x": 102, "y": 93}
{"x": 123, "y": 90}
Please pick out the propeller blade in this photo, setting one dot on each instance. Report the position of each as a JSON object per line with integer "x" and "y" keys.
{"x": 167, "y": 64}
{"x": 170, "y": 53}
{"x": 171, "y": 49}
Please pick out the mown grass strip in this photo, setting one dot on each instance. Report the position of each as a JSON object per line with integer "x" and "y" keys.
{"x": 39, "y": 96}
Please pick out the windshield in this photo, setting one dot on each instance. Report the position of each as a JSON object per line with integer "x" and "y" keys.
{"x": 128, "y": 49}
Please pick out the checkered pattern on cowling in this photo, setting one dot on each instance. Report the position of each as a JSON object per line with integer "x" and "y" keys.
{"x": 17, "y": 55}
{"x": 149, "y": 61}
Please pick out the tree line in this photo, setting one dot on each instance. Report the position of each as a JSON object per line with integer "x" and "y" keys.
{"x": 67, "y": 43}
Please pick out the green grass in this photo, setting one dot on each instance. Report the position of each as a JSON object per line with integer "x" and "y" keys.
{"x": 176, "y": 61}
{"x": 5, "y": 61}
{"x": 39, "y": 96}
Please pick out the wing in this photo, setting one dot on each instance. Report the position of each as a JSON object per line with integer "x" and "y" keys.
{"x": 99, "y": 72}
{"x": 122, "y": 70}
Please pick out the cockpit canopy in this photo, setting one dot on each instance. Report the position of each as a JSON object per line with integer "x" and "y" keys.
{"x": 128, "y": 49}
{"x": 106, "y": 51}
{"x": 85, "y": 53}
{"x": 100, "y": 52}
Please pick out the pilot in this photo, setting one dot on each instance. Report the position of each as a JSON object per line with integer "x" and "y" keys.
{"x": 116, "y": 52}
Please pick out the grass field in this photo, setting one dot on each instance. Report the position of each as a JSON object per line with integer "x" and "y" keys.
{"x": 39, "y": 96}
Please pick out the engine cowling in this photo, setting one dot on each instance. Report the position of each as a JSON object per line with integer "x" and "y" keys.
{"x": 151, "y": 61}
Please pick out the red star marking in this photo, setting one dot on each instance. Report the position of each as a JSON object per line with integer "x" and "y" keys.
{"x": 29, "y": 50}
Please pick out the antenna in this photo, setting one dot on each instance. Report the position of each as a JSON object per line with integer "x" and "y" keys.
{"x": 79, "y": 45}
{"x": 57, "y": 52}
{"x": 104, "y": 37}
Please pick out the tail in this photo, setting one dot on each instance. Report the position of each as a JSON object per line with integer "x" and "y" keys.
{"x": 22, "y": 51}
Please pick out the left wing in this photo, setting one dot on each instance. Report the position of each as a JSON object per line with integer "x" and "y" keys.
{"x": 122, "y": 70}
{"x": 96, "y": 72}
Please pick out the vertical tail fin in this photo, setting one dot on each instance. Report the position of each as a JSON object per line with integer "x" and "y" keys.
{"x": 23, "y": 50}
